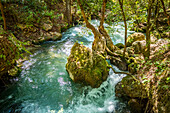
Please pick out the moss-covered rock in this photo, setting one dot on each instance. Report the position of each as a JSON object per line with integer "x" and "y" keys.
{"x": 136, "y": 106}
{"x": 131, "y": 88}
{"x": 135, "y": 37}
{"x": 130, "y": 51}
{"x": 87, "y": 67}
{"x": 47, "y": 36}
{"x": 120, "y": 45}
{"x": 139, "y": 46}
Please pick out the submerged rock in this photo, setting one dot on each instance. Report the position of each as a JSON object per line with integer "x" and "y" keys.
{"x": 87, "y": 67}
{"x": 135, "y": 37}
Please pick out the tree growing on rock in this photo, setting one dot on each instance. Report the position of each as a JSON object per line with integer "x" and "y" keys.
{"x": 102, "y": 41}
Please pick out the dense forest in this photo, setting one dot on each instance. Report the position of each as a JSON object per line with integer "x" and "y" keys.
{"x": 85, "y": 56}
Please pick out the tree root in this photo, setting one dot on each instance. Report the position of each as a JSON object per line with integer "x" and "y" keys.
{"x": 111, "y": 53}
{"x": 124, "y": 73}
{"x": 119, "y": 72}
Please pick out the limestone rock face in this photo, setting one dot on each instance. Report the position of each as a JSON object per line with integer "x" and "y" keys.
{"x": 87, "y": 67}
{"x": 135, "y": 37}
{"x": 47, "y": 36}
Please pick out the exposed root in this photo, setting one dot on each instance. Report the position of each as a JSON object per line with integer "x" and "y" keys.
{"x": 111, "y": 53}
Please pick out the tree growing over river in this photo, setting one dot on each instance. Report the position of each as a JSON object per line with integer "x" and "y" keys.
{"x": 102, "y": 41}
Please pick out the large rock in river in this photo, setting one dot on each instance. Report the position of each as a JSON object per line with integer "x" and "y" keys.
{"x": 87, "y": 67}
{"x": 135, "y": 37}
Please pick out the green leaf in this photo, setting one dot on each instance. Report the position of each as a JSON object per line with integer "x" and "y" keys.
{"x": 168, "y": 78}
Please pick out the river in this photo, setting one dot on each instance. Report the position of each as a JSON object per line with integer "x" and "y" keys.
{"x": 44, "y": 85}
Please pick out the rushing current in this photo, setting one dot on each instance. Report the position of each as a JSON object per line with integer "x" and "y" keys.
{"x": 44, "y": 85}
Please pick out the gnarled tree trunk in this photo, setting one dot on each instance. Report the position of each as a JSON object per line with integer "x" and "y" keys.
{"x": 68, "y": 12}
{"x": 148, "y": 40}
{"x": 102, "y": 42}
{"x": 124, "y": 18}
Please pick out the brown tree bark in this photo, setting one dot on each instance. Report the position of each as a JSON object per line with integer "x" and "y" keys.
{"x": 99, "y": 43}
{"x": 102, "y": 42}
{"x": 124, "y": 18}
{"x": 109, "y": 44}
{"x": 68, "y": 12}
{"x": 147, "y": 53}
{"x": 88, "y": 25}
{"x": 3, "y": 16}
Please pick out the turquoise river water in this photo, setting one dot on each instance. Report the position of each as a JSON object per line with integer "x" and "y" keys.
{"x": 44, "y": 85}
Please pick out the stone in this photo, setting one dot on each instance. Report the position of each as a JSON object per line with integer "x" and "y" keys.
{"x": 56, "y": 36}
{"x": 86, "y": 67}
{"x": 120, "y": 45}
{"x": 46, "y": 24}
{"x": 135, "y": 37}
{"x": 119, "y": 92}
{"x": 153, "y": 39}
{"x": 139, "y": 46}
{"x": 45, "y": 36}
{"x": 130, "y": 51}
{"x": 129, "y": 87}
{"x": 135, "y": 106}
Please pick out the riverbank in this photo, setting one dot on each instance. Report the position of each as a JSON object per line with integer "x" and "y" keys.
{"x": 45, "y": 86}
{"x": 145, "y": 86}
{"x": 27, "y": 28}
{"x": 147, "y": 89}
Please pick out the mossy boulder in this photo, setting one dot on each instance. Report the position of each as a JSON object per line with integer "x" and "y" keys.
{"x": 136, "y": 106}
{"x": 129, "y": 87}
{"x": 139, "y": 46}
{"x": 120, "y": 45}
{"x": 87, "y": 67}
{"x": 130, "y": 51}
{"x": 135, "y": 37}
